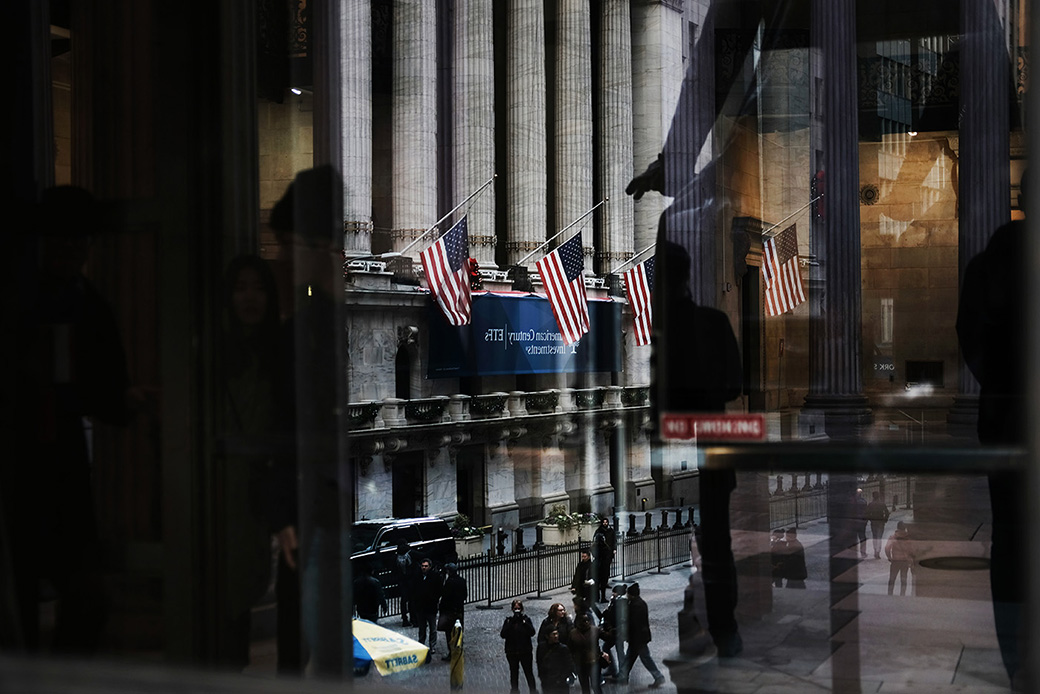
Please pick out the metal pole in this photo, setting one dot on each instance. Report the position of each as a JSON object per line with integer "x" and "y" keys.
{"x": 561, "y": 231}
{"x": 614, "y": 271}
{"x": 436, "y": 224}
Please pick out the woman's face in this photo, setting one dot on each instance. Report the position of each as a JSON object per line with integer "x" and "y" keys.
{"x": 249, "y": 298}
{"x": 560, "y": 611}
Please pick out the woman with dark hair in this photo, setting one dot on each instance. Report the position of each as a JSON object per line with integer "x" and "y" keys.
{"x": 556, "y": 619}
{"x": 250, "y": 368}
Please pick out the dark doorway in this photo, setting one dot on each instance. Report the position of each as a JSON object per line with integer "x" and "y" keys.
{"x": 408, "y": 485}
{"x": 469, "y": 484}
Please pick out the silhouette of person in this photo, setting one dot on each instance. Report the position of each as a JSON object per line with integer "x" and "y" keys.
{"x": 777, "y": 545}
{"x": 991, "y": 329}
{"x": 517, "y": 630}
{"x": 861, "y": 522}
{"x": 71, "y": 366}
{"x": 251, "y": 366}
{"x": 900, "y": 553}
{"x": 794, "y": 560}
{"x": 582, "y": 584}
{"x": 604, "y": 547}
{"x": 368, "y": 595}
{"x": 453, "y": 603}
{"x": 314, "y": 536}
{"x": 877, "y": 514}
{"x": 696, "y": 367}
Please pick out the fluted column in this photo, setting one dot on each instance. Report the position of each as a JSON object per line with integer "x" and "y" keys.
{"x": 835, "y": 375}
{"x": 414, "y": 121}
{"x": 657, "y": 75}
{"x": 526, "y": 147}
{"x": 573, "y": 120}
{"x": 356, "y": 120}
{"x": 984, "y": 184}
{"x": 474, "y": 121}
{"x": 615, "y": 135}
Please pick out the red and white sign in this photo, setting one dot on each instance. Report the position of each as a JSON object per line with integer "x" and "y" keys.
{"x": 678, "y": 426}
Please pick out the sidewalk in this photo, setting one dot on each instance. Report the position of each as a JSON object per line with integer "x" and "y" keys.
{"x": 938, "y": 638}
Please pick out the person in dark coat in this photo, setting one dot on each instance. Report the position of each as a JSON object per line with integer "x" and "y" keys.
{"x": 777, "y": 547}
{"x": 453, "y": 600}
{"x": 425, "y": 596}
{"x": 794, "y": 560}
{"x": 556, "y": 619}
{"x": 583, "y": 585}
{"x": 517, "y": 630}
{"x": 555, "y": 666}
{"x": 613, "y": 629}
{"x": 639, "y": 638}
{"x": 368, "y": 595}
{"x": 604, "y": 548}
{"x": 585, "y": 650}
{"x": 404, "y": 573}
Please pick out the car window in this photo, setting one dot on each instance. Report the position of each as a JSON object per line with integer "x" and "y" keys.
{"x": 434, "y": 531}
{"x": 392, "y": 536}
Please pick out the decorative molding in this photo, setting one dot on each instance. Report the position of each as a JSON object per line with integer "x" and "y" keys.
{"x": 475, "y": 240}
{"x": 356, "y": 226}
{"x": 868, "y": 194}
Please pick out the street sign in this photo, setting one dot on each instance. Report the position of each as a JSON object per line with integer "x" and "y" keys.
{"x": 679, "y": 426}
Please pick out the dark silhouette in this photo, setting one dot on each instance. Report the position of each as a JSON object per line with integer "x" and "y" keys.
{"x": 251, "y": 368}
{"x": 777, "y": 545}
{"x": 404, "y": 573}
{"x": 991, "y": 329}
{"x": 71, "y": 366}
{"x": 583, "y": 585}
{"x": 794, "y": 560}
{"x": 695, "y": 366}
{"x": 517, "y": 630}
{"x": 604, "y": 547}
{"x": 368, "y": 595}
{"x": 584, "y": 647}
{"x": 426, "y": 594}
{"x": 861, "y": 522}
{"x": 615, "y": 616}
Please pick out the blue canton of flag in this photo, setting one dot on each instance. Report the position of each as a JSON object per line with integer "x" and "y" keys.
{"x": 446, "y": 273}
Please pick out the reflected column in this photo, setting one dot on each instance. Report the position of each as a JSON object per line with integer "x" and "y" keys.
{"x": 835, "y": 378}
{"x": 984, "y": 188}
{"x": 356, "y": 121}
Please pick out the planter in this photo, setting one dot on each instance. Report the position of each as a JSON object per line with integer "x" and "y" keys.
{"x": 554, "y": 535}
{"x": 469, "y": 546}
{"x": 586, "y": 531}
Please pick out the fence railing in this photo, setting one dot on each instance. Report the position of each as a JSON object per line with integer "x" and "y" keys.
{"x": 492, "y": 578}
{"x": 795, "y": 507}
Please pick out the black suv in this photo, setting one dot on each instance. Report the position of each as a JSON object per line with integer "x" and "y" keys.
{"x": 375, "y": 542}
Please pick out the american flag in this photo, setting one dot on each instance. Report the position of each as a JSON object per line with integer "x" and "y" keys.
{"x": 639, "y": 284}
{"x": 781, "y": 273}
{"x": 446, "y": 276}
{"x": 561, "y": 274}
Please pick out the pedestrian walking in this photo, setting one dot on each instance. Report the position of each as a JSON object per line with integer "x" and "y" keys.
{"x": 585, "y": 650}
{"x": 555, "y": 666}
{"x": 517, "y": 630}
{"x": 611, "y": 629}
{"x": 369, "y": 598}
{"x": 861, "y": 522}
{"x": 556, "y": 619}
{"x": 425, "y": 595}
{"x": 453, "y": 600}
{"x": 794, "y": 560}
{"x": 639, "y": 638}
{"x": 877, "y": 515}
{"x": 900, "y": 552}
{"x": 604, "y": 548}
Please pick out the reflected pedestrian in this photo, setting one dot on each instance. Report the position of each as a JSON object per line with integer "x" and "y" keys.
{"x": 639, "y": 638}
{"x": 614, "y": 629}
{"x": 900, "y": 552}
{"x": 369, "y": 598}
{"x": 860, "y": 520}
{"x": 777, "y": 545}
{"x": 453, "y": 600}
{"x": 877, "y": 514}
{"x": 517, "y": 630}
{"x": 404, "y": 573}
{"x": 584, "y": 647}
{"x": 794, "y": 568}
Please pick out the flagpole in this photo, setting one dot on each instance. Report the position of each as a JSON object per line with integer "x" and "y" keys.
{"x": 561, "y": 231}
{"x": 614, "y": 271}
{"x": 764, "y": 233}
{"x": 455, "y": 209}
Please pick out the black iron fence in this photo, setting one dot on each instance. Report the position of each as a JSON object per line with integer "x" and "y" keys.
{"x": 797, "y": 506}
{"x": 494, "y": 578}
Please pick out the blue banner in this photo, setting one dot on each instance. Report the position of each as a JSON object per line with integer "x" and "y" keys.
{"x": 517, "y": 334}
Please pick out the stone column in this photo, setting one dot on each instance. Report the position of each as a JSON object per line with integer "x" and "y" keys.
{"x": 657, "y": 74}
{"x": 615, "y": 135}
{"x": 984, "y": 184}
{"x": 414, "y": 122}
{"x": 374, "y": 478}
{"x": 501, "y": 485}
{"x": 441, "y": 482}
{"x": 573, "y": 121}
{"x": 835, "y": 378}
{"x": 356, "y": 120}
{"x": 526, "y": 148}
{"x": 474, "y": 122}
